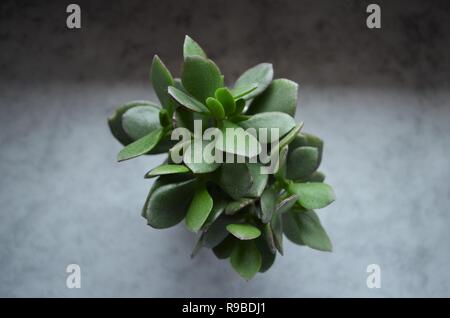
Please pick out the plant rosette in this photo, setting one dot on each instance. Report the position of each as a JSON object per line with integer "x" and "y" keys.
{"x": 261, "y": 180}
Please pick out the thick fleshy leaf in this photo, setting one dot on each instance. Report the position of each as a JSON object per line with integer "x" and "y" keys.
{"x": 165, "y": 180}
{"x": 244, "y": 231}
{"x": 316, "y": 176}
{"x": 241, "y": 93}
{"x": 277, "y": 229}
{"x": 291, "y": 229}
{"x": 218, "y": 208}
{"x": 191, "y": 48}
{"x": 267, "y": 255}
{"x": 240, "y": 105}
{"x": 302, "y": 162}
{"x": 187, "y": 101}
{"x": 201, "y": 77}
{"x": 184, "y": 118}
{"x": 260, "y": 75}
{"x": 163, "y": 145}
{"x": 196, "y": 157}
{"x": 267, "y": 235}
{"x": 167, "y": 205}
{"x": 309, "y": 140}
{"x": 259, "y": 180}
{"x": 199, "y": 209}
{"x": 141, "y": 146}
{"x": 282, "y": 122}
{"x": 237, "y": 141}
{"x": 279, "y": 150}
{"x": 164, "y": 118}
{"x": 161, "y": 80}
{"x": 225, "y": 248}
{"x": 246, "y": 259}
{"x": 268, "y": 204}
{"x": 140, "y": 121}
{"x": 280, "y": 96}
{"x": 303, "y": 227}
{"x": 286, "y": 204}
{"x": 115, "y": 121}
{"x": 178, "y": 84}
{"x": 217, "y": 232}
{"x": 235, "y": 179}
{"x": 286, "y": 140}
{"x": 313, "y": 195}
{"x": 224, "y": 96}
{"x": 166, "y": 169}
{"x": 215, "y": 108}
{"x": 238, "y": 205}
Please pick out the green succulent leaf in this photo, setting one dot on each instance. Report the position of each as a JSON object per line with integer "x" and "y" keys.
{"x": 235, "y": 179}
{"x": 243, "y": 92}
{"x": 280, "y": 96}
{"x": 291, "y": 229}
{"x": 244, "y": 231}
{"x": 140, "y": 121}
{"x": 246, "y": 259}
{"x": 286, "y": 140}
{"x": 269, "y": 120}
{"x": 191, "y": 48}
{"x": 286, "y": 204}
{"x": 260, "y": 75}
{"x": 184, "y": 118}
{"x": 268, "y": 204}
{"x": 193, "y": 157}
{"x": 313, "y": 195}
{"x": 259, "y": 180}
{"x": 217, "y": 232}
{"x": 161, "y": 181}
{"x": 115, "y": 121}
{"x": 166, "y": 205}
{"x": 187, "y": 101}
{"x": 238, "y": 205}
{"x": 267, "y": 236}
{"x": 282, "y": 157}
{"x": 316, "y": 176}
{"x": 237, "y": 141}
{"x": 302, "y": 162}
{"x": 240, "y": 105}
{"x": 307, "y": 140}
{"x": 199, "y": 209}
{"x": 303, "y": 227}
{"x": 141, "y": 146}
{"x": 267, "y": 256}
{"x": 201, "y": 77}
{"x": 166, "y": 169}
{"x": 164, "y": 118}
{"x": 215, "y": 108}
{"x": 224, "y": 96}
{"x": 225, "y": 248}
{"x": 161, "y": 80}
{"x": 279, "y": 152}
{"x": 277, "y": 229}
{"x": 218, "y": 208}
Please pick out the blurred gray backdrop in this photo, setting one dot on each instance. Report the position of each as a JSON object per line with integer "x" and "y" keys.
{"x": 379, "y": 98}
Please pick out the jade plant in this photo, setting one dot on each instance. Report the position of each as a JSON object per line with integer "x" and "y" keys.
{"x": 238, "y": 207}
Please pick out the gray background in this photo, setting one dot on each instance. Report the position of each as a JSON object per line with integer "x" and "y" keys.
{"x": 379, "y": 98}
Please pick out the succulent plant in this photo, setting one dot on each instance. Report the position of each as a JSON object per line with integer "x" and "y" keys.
{"x": 238, "y": 210}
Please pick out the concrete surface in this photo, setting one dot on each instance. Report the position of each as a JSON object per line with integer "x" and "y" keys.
{"x": 379, "y": 100}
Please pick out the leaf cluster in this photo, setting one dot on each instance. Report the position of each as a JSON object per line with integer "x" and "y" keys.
{"x": 238, "y": 212}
